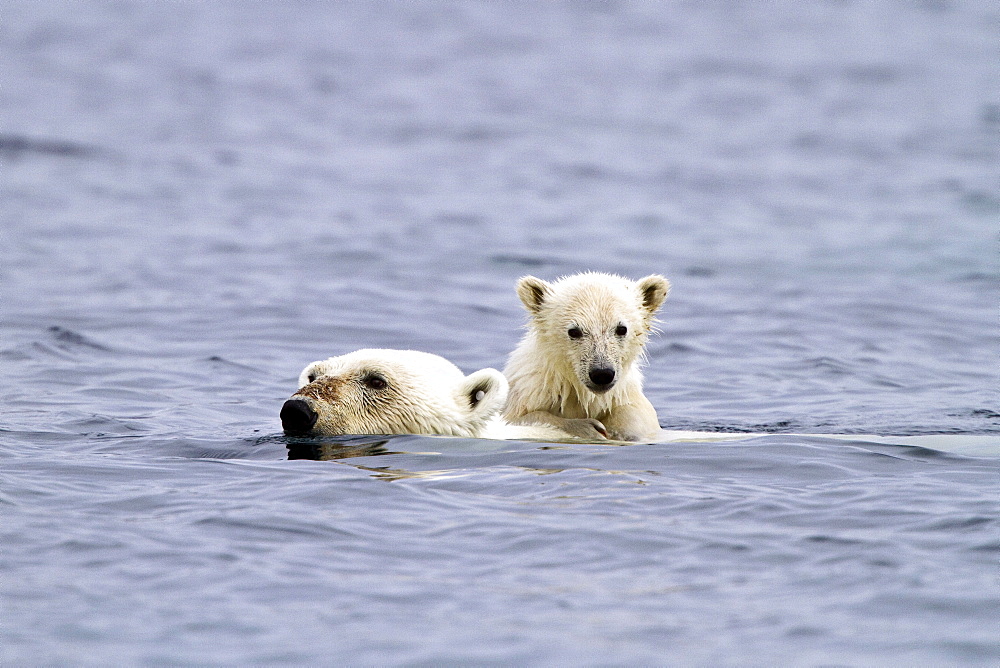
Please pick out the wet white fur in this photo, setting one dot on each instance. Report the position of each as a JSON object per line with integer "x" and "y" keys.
{"x": 548, "y": 371}
{"x": 426, "y": 394}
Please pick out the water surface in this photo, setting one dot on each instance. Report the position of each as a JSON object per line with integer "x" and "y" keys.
{"x": 197, "y": 200}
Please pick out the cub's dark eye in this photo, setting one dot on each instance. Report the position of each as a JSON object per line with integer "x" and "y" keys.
{"x": 374, "y": 381}
{"x": 621, "y": 330}
{"x": 574, "y": 332}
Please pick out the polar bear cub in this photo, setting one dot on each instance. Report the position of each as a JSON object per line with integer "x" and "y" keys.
{"x": 378, "y": 391}
{"x": 577, "y": 367}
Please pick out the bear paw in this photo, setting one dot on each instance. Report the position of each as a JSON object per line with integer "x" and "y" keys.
{"x": 588, "y": 429}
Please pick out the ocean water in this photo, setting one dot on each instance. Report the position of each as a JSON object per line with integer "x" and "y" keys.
{"x": 198, "y": 199}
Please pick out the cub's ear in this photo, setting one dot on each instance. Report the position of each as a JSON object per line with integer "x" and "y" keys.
{"x": 652, "y": 291}
{"x": 484, "y": 392}
{"x": 533, "y": 293}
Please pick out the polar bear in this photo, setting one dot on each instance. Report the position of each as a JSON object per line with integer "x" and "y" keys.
{"x": 380, "y": 391}
{"x": 577, "y": 367}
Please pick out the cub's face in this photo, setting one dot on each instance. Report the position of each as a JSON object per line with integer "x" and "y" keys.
{"x": 594, "y": 324}
{"x": 392, "y": 392}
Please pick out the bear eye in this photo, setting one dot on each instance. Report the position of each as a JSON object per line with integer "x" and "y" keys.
{"x": 574, "y": 333}
{"x": 374, "y": 381}
{"x": 621, "y": 330}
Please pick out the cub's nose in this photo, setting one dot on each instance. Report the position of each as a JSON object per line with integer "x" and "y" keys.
{"x": 297, "y": 417}
{"x": 602, "y": 378}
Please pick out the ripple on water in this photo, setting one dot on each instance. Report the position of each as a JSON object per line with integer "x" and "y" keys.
{"x": 301, "y": 180}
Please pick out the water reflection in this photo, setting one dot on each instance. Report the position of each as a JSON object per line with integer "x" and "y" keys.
{"x": 348, "y": 447}
{"x": 337, "y": 447}
{"x": 391, "y": 474}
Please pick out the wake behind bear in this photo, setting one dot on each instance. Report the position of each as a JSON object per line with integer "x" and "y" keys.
{"x": 574, "y": 375}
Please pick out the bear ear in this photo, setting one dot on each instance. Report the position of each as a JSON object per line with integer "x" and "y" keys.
{"x": 533, "y": 293}
{"x": 484, "y": 392}
{"x": 309, "y": 374}
{"x": 652, "y": 291}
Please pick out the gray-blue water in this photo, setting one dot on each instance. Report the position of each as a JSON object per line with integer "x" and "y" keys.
{"x": 198, "y": 199}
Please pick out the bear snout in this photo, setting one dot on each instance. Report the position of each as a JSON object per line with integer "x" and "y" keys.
{"x": 602, "y": 379}
{"x": 297, "y": 417}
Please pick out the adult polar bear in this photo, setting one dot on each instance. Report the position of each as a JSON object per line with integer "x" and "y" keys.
{"x": 577, "y": 367}
{"x": 380, "y": 391}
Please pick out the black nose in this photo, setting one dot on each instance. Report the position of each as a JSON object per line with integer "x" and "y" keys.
{"x": 297, "y": 417}
{"x": 602, "y": 377}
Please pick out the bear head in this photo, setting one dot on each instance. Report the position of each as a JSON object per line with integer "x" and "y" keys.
{"x": 377, "y": 391}
{"x": 592, "y": 326}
